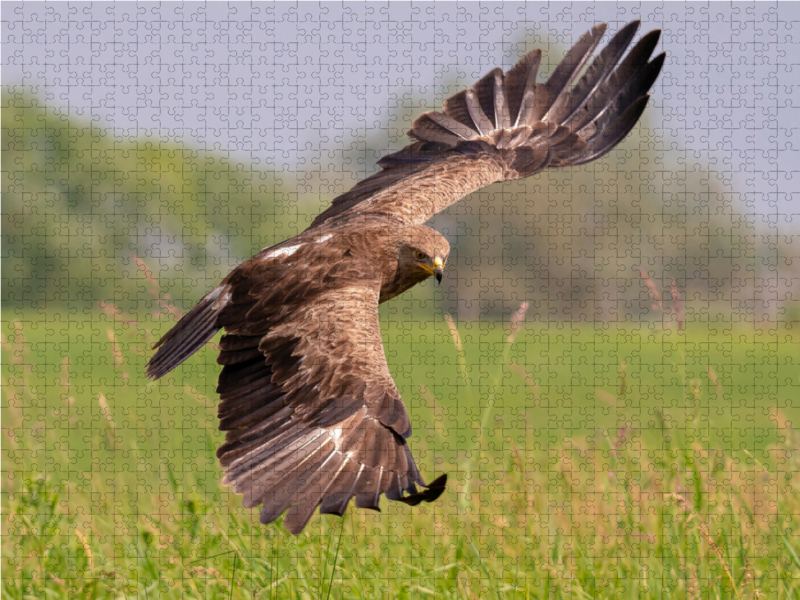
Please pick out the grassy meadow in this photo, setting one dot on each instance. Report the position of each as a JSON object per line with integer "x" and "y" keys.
{"x": 586, "y": 461}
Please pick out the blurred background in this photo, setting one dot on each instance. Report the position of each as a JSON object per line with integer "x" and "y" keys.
{"x": 609, "y": 372}
{"x": 192, "y": 135}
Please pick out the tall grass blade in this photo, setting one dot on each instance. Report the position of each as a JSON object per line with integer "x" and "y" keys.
{"x": 335, "y": 560}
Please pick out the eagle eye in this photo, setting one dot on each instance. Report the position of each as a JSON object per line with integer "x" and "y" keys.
{"x": 420, "y": 255}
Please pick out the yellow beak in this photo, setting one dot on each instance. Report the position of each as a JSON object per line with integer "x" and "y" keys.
{"x": 437, "y": 269}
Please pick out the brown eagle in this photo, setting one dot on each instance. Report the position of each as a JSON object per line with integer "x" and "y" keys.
{"x": 312, "y": 415}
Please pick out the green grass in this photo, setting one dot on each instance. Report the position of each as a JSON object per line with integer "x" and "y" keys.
{"x": 585, "y": 461}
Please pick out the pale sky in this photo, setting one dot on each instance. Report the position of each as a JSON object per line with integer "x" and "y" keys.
{"x": 298, "y": 86}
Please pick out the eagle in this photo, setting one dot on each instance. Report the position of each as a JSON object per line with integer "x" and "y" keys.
{"x": 311, "y": 413}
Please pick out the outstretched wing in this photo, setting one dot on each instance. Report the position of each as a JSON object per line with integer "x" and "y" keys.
{"x": 312, "y": 415}
{"x": 507, "y": 126}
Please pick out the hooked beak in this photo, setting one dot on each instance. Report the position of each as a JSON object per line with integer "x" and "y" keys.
{"x": 437, "y": 269}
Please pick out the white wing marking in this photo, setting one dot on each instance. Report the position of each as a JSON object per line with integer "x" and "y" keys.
{"x": 288, "y": 251}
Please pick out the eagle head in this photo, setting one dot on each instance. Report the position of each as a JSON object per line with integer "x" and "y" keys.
{"x": 422, "y": 252}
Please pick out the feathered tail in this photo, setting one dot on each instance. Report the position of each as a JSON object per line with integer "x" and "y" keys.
{"x": 188, "y": 335}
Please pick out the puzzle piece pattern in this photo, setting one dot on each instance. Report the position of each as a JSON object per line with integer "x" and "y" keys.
{"x": 651, "y": 388}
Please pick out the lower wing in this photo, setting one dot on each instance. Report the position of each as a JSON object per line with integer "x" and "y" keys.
{"x": 312, "y": 415}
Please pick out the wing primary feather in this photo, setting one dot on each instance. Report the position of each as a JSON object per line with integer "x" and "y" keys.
{"x": 241, "y": 392}
{"x": 262, "y": 393}
{"x": 251, "y": 461}
{"x": 455, "y": 107}
{"x": 233, "y": 357}
{"x": 395, "y": 490}
{"x": 336, "y": 504}
{"x": 601, "y": 67}
{"x": 283, "y": 463}
{"x": 501, "y": 115}
{"x": 431, "y": 493}
{"x": 234, "y": 343}
{"x": 453, "y": 126}
{"x": 479, "y": 118}
{"x": 569, "y": 67}
{"x": 484, "y": 93}
{"x": 636, "y": 87}
{"x": 250, "y": 418}
{"x": 314, "y": 489}
{"x": 614, "y": 134}
{"x": 377, "y": 492}
{"x": 616, "y": 82}
{"x": 520, "y": 79}
{"x": 277, "y": 497}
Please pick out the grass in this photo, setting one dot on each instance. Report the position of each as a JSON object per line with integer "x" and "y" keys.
{"x": 585, "y": 461}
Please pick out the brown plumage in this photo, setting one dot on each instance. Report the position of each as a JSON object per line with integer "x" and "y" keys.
{"x": 312, "y": 415}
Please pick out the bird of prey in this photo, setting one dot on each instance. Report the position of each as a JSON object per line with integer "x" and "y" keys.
{"x": 312, "y": 415}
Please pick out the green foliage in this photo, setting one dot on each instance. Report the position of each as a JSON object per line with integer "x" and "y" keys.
{"x": 79, "y": 204}
{"x": 585, "y": 460}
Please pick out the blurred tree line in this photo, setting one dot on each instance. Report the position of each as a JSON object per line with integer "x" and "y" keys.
{"x": 81, "y": 204}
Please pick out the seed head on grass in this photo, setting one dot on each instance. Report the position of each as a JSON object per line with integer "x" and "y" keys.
{"x": 675, "y": 312}
{"x": 652, "y": 290}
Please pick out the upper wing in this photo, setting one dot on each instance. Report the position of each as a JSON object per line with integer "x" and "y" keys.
{"x": 507, "y": 126}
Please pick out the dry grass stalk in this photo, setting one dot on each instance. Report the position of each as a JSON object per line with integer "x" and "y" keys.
{"x": 652, "y": 291}
{"x": 110, "y": 425}
{"x": 438, "y": 411}
{"x": 702, "y": 527}
{"x": 693, "y": 591}
{"x": 454, "y": 333}
{"x": 86, "y": 548}
{"x": 115, "y": 314}
{"x": 213, "y": 572}
{"x": 515, "y": 453}
{"x": 717, "y": 383}
{"x": 676, "y": 312}
{"x": 21, "y": 350}
{"x": 64, "y": 380}
{"x": 115, "y": 351}
{"x": 462, "y": 361}
{"x": 516, "y": 320}
{"x": 163, "y": 303}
